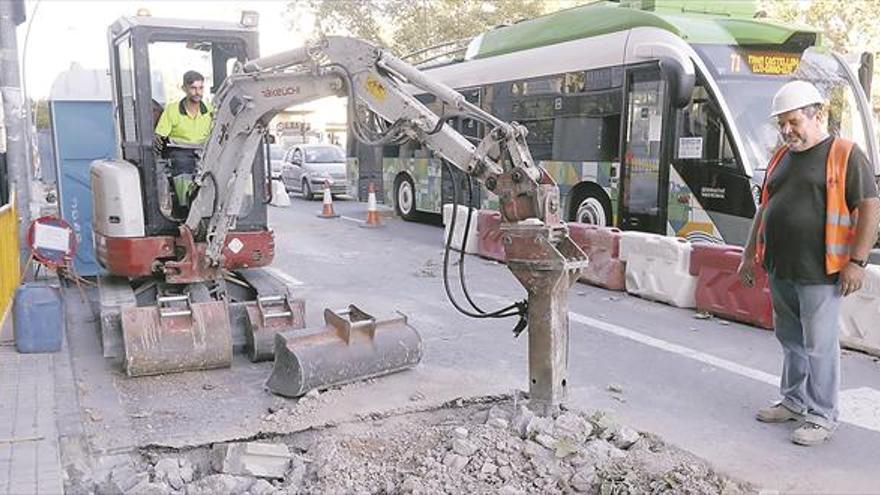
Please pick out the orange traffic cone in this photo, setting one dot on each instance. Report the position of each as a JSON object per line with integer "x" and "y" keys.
{"x": 327, "y": 211}
{"x": 372, "y": 210}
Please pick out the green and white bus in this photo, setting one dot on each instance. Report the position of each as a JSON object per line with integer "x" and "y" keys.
{"x": 651, "y": 115}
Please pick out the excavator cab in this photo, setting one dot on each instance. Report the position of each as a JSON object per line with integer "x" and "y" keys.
{"x": 148, "y": 59}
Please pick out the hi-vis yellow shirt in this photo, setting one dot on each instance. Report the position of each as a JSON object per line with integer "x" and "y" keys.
{"x": 179, "y": 126}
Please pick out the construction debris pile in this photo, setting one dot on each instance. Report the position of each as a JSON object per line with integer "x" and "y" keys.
{"x": 495, "y": 447}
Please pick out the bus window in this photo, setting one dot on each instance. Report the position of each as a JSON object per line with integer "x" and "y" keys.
{"x": 471, "y": 128}
{"x": 708, "y": 180}
{"x": 539, "y": 86}
{"x": 392, "y": 151}
{"x": 574, "y": 82}
{"x": 845, "y": 118}
{"x": 540, "y": 138}
{"x": 748, "y": 79}
{"x": 587, "y": 127}
{"x": 406, "y": 150}
{"x": 702, "y": 136}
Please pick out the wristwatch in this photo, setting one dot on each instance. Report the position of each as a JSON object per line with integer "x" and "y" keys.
{"x": 861, "y": 263}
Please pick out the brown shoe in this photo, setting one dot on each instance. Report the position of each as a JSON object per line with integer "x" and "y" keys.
{"x": 810, "y": 434}
{"x": 777, "y": 414}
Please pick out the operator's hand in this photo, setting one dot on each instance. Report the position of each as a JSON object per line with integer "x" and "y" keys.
{"x": 851, "y": 278}
{"x": 746, "y": 271}
{"x": 159, "y": 143}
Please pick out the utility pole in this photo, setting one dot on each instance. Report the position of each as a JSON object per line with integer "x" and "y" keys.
{"x": 17, "y": 152}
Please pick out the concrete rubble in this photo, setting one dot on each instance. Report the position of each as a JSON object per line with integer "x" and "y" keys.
{"x": 447, "y": 450}
{"x": 263, "y": 460}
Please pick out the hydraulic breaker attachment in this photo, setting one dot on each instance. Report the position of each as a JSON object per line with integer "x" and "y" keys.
{"x": 268, "y": 316}
{"x": 546, "y": 262}
{"x": 176, "y": 335}
{"x": 342, "y": 351}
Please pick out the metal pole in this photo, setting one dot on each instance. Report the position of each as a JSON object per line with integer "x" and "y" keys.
{"x": 17, "y": 152}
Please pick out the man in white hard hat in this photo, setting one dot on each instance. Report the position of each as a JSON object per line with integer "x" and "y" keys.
{"x": 813, "y": 230}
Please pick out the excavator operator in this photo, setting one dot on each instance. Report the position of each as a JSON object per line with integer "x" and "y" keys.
{"x": 180, "y": 133}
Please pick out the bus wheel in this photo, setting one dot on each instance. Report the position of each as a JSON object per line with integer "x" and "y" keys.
{"x": 405, "y": 198}
{"x": 591, "y": 209}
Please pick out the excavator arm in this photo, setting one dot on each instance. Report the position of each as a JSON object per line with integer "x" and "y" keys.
{"x": 539, "y": 251}
{"x": 379, "y": 81}
{"x": 244, "y": 106}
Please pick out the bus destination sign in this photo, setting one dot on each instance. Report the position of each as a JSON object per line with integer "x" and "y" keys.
{"x": 765, "y": 63}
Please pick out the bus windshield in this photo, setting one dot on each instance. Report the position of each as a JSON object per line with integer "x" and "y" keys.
{"x": 748, "y": 79}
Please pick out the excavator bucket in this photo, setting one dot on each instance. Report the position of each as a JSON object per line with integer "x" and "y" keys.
{"x": 268, "y": 316}
{"x": 176, "y": 335}
{"x": 342, "y": 351}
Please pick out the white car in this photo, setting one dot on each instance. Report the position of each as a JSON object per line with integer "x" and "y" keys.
{"x": 308, "y": 167}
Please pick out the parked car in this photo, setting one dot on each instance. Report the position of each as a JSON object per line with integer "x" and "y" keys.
{"x": 276, "y": 160}
{"x": 308, "y": 167}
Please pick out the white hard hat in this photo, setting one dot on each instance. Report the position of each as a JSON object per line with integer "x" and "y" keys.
{"x": 794, "y": 95}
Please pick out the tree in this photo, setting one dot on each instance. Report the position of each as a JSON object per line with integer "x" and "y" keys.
{"x": 406, "y": 26}
{"x": 847, "y": 26}
{"x": 41, "y": 114}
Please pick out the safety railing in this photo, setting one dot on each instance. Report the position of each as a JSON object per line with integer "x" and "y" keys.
{"x": 9, "y": 256}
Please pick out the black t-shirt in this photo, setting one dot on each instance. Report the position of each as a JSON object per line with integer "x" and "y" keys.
{"x": 794, "y": 218}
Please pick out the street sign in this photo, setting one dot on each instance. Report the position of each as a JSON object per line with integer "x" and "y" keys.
{"x": 52, "y": 241}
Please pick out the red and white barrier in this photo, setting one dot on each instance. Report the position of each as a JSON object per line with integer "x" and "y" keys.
{"x": 657, "y": 268}
{"x": 279, "y": 194}
{"x": 860, "y": 315}
{"x": 489, "y": 236}
{"x": 719, "y": 290}
{"x": 459, "y": 228}
{"x": 602, "y": 247}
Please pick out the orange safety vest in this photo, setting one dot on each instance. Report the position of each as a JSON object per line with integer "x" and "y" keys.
{"x": 840, "y": 222}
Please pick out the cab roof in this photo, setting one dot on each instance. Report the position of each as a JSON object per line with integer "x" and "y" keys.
{"x": 158, "y": 23}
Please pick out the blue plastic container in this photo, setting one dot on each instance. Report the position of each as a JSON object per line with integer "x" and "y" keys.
{"x": 38, "y": 318}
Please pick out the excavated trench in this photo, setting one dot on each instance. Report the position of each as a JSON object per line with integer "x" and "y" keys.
{"x": 482, "y": 445}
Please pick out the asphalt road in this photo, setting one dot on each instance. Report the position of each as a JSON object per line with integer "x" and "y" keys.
{"x": 694, "y": 382}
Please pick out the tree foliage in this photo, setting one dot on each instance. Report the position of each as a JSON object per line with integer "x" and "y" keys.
{"x": 847, "y": 26}
{"x": 406, "y": 26}
{"x": 41, "y": 114}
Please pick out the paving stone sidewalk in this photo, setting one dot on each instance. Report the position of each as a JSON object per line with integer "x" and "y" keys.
{"x": 29, "y": 454}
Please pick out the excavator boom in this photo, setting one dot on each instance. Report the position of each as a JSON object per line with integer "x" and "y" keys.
{"x": 539, "y": 250}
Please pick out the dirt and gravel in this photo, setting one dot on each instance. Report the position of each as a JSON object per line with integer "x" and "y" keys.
{"x": 487, "y": 445}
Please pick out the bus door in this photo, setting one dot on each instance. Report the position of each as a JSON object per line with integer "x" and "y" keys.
{"x": 644, "y": 177}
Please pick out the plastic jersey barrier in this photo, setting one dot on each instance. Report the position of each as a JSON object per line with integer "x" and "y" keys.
{"x": 458, "y": 233}
{"x": 657, "y": 268}
{"x": 602, "y": 246}
{"x": 719, "y": 290}
{"x": 860, "y": 315}
{"x": 279, "y": 194}
{"x": 489, "y": 235}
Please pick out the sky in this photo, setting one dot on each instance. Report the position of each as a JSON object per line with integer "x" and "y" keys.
{"x": 63, "y": 32}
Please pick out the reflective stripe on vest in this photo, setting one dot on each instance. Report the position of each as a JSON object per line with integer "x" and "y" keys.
{"x": 839, "y": 221}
